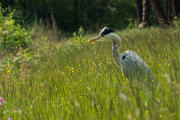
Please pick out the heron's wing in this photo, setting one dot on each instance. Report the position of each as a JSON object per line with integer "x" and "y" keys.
{"x": 134, "y": 67}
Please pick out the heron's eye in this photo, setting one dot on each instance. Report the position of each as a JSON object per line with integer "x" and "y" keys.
{"x": 102, "y": 35}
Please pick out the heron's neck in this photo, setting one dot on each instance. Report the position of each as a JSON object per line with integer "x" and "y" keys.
{"x": 116, "y": 39}
{"x": 115, "y": 51}
{"x": 115, "y": 48}
{"x": 116, "y": 42}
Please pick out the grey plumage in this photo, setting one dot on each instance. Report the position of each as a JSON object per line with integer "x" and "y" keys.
{"x": 132, "y": 66}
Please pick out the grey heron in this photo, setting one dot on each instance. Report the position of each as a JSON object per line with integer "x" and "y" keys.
{"x": 133, "y": 67}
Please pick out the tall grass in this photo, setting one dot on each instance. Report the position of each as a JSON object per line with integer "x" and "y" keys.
{"x": 83, "y": 82}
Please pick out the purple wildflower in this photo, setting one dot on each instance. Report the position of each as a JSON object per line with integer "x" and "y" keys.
{"x": 1, "y": 99}
{"x": 10, "y": 118}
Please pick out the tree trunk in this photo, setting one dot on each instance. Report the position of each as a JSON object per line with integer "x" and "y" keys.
{"x": 167, "y": 8}
{"x": 82, "y": 7}
{"x": 146, "y": 13}
{"x": 75, "y": 11}
{"x": 162, "y": 19}
{"x": 176, "y": 8}
{"x": 88, "y": 11}
{"x": 139, "y": 10}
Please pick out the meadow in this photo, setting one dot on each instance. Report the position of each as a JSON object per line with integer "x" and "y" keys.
{"x": 69, "y": 79}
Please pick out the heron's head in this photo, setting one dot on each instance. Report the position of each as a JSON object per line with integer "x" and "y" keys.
{"x": 105, "y": 33}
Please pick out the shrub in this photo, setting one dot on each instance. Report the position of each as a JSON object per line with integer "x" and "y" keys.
{"x": 78, "y": 36}
{"x": 12, "y": 35}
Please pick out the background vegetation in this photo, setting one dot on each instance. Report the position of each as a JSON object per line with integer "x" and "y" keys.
{"x": 71, "y": 14}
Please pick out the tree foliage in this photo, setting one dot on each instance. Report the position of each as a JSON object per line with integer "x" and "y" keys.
{"x": 90, "y": 14}
{"x": 71, "y": 14}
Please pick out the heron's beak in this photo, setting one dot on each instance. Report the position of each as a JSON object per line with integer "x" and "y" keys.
{"x": 94, "y": 39}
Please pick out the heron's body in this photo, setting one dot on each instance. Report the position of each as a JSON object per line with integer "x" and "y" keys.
{"x": 133, "y": 67}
